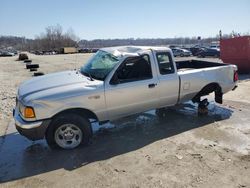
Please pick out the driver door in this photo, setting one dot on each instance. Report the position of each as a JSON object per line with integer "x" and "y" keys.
{"x": 134, "y": 89}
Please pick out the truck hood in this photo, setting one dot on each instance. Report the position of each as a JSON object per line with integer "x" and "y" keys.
{"x": 51, "y": 81}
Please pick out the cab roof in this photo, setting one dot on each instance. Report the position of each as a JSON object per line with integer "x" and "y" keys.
{"x": 132, "y": 50}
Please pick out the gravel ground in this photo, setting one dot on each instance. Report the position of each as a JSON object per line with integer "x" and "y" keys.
{"x": 140, "y": 151}
{"x": 13, "y": 72}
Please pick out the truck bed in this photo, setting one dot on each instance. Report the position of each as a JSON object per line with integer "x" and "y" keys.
{"x": 196, "y": 64}
{"x": 195, "y": 75}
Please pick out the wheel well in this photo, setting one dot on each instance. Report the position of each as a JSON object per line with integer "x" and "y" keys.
{"x": 212, "y": 87}
{"x": 80, "y": 111}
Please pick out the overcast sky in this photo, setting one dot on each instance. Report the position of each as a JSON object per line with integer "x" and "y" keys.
{"x": 92, "y": 19}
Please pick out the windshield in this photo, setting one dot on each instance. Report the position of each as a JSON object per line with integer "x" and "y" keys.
{"x": 100, "y": 65}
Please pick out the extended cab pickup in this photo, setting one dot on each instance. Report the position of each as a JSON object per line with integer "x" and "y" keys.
{"x": 114, "y": 83}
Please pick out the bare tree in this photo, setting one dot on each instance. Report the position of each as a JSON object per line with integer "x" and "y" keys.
{"x": 54, "y": 39}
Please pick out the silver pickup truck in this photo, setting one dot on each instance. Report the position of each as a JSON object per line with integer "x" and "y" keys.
{"x": 114, "y": 83}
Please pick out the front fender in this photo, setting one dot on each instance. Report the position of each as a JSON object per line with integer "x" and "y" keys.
{"x": 46, "y": 109}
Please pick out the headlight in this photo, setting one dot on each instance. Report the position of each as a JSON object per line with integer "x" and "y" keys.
{"x": 26, "y": 111}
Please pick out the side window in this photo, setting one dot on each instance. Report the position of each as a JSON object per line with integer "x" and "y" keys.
{"x": 165, "y": 63}
{"x": 134, "y": 69}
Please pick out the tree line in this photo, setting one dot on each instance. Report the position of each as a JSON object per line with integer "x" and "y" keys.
{"x": 99, "y": 43}
{"x": 53, "y": 39}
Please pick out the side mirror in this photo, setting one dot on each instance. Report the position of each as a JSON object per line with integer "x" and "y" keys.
{"x": 114, "y": 80}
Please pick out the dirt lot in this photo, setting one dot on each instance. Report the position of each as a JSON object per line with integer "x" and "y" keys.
{"x": 140, "y": 151}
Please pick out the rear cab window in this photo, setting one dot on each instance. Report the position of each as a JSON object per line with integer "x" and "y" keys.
{"x": 165, "y": 63}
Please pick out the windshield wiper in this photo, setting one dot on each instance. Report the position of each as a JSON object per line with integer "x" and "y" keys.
{"x": 88, "y": 75}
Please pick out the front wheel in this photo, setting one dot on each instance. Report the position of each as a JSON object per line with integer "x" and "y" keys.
{"x": 68, "y": 131}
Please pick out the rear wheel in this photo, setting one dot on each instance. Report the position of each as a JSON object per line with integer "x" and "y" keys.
{"x": 68, "y": 131}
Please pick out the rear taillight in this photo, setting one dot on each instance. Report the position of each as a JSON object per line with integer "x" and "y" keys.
{"x": 236, "y": 77}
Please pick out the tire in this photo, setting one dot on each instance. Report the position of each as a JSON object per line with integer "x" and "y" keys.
{"x": 65, "y": 123}
{"x": 33, "y": 69}
{"x": 38, "y": 74}
{"x": 27, "y": 61}
{"x": 29, "y": 66}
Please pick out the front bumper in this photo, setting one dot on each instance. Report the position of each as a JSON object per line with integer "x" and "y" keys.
{"x": 34, "y": 130}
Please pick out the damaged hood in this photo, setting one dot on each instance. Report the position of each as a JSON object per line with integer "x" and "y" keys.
{"x": 54, "y": 81}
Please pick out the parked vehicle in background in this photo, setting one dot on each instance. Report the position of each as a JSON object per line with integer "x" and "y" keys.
{"x": 6, "y": 54}
{"x": 38, "y": 52}
{"x": 94, "y": 50}
{"x": 181, "y": 52}
{"x": 195, "y": 50}
{"x": 215, "y": 46}
{"x": 49, "y": 52}
{"x": 69, "y": 50}
{"x": 13, "y": 51}
{"x": 209, "y": 52}
{"x": 84, "y": 50}
{"x": 116, "y": 82}
{"x": 88, "y": 50}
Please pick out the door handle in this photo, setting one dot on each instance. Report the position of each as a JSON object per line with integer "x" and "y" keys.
{"x": 151, "y": 85}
